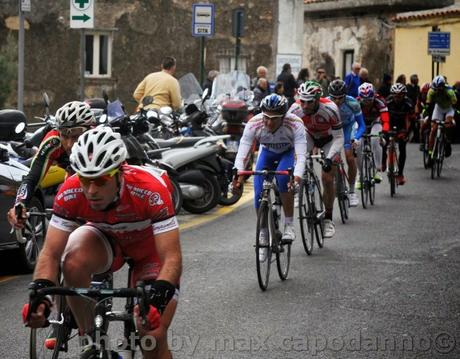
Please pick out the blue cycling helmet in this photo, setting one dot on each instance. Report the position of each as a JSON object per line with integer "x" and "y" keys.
{"x": 274, "y": 103}
{"x": 438, "y": 82}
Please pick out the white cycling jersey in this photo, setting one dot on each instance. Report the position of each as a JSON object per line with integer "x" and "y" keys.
{"x": 291, "y": 134}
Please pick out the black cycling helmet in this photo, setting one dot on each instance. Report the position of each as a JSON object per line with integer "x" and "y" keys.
{"x": 337, "y": 88}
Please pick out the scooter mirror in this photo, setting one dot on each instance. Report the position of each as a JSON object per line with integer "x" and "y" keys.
{"x": 205, "y": 94}
{"x": 20, "y": 127}
{"x": 166, "y": 110}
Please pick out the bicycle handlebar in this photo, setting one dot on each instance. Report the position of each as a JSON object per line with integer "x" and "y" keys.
{"x": 265, "y": 173}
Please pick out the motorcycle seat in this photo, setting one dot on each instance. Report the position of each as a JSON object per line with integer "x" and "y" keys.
{"x": 179, "y": 157}
{"x": 181, "y": 141}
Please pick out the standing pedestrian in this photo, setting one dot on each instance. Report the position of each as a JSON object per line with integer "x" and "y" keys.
{"x": 289, "y": 83}
{"x": 352, "y": 80}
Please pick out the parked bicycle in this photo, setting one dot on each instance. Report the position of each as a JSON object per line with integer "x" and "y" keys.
{"x": 268, "y": 235}
{"x": 311, "y": 207}
{"x": 62, "y": 323}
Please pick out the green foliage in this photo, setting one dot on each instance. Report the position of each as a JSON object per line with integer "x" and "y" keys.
{"x": 8, "y": 68}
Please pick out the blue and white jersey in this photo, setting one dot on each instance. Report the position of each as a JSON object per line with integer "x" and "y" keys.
{"x": 349, "y": 109}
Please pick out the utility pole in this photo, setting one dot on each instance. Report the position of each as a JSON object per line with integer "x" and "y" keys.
{"x": 21, "y": 58}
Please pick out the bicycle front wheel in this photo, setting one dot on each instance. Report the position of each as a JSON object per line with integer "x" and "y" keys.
{"x": 263, "y": 245}
{"x": 371, "y": 182}
{"x": 306, "y": 218}
{"x": 318, "y": 212}
{"x": 440, "y": 160}
{"x": 391, "y": 173}
{"x": 426, "y": 157}
{"x": 434, "y": 158}
{"x": 342, "y": 197}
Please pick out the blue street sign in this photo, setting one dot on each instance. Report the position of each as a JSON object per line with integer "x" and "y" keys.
{"x": 439, "y": 43}
{"x": 203, "y": 20}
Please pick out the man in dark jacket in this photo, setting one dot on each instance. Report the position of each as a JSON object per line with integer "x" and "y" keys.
{"x": 289, "y": 83}
{"x": 260, "y": 91}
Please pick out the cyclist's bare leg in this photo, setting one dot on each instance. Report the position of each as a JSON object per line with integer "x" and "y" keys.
{"x": 287, "y": 199}
{"x": 352, "y": 170}
{"x": 85, "y": 254}
{"x": 327, "y": 178}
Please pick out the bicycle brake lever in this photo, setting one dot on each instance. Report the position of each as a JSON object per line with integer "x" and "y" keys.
{"x": 60, "y": 322}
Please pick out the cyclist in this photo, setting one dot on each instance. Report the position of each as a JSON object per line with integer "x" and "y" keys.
{"x": 72, "y": 119}
{"x": 442, "y": 97}
{"x": 401, "y": 112}
{"x": 106, "y": 212}
{"x": 350, "y": 114}
{"x": 423, "y": 112}
{"x": 282, "y": 141}
{"x": 321, "y": 118}
{"x": 377, "y": 119}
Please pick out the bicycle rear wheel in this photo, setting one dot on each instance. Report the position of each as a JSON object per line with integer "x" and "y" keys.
{"x": 306, "y": 220}
{"x": 263, "y": 264}
{"x": 364, "y": 178}
{"x": 318, "y": 212}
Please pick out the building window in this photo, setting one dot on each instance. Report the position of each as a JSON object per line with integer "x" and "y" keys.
{"x": 98, "y": 55}
{"x": 227, "y": 64}
{"x": 348, "y": 59}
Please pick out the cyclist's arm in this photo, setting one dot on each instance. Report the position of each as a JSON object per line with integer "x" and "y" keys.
{"x": 361, "y": 126}
{"x": 168, "y": 248}
{"x": 50, "y": 256}
{"x": 385, "y": 119}
{"x": 452, "y": 96}
{"x": 245, "y": 146}
{"x": 139, "y": 91}
{"x": 38, "y": 169}
{"x": 300, "y": 148}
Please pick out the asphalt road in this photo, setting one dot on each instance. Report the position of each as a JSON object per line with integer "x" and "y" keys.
{"x": 386, "y": 286}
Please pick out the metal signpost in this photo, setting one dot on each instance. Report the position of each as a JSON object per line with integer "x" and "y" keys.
{"x": 202, "y": 26}
{"x": 24, "y": 6}
{"x": 82, "y": 17}
{"x": 438, "y": 48}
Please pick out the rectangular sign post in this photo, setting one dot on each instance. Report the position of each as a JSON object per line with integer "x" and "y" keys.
{"x": 82, "y": 14}
{"x": 203, "y": 26}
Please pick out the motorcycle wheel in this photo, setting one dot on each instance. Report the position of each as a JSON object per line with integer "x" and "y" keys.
{"x": 209, "y": 200}
{"x": 34, "y": 232}
{"x": 176, "y": 195}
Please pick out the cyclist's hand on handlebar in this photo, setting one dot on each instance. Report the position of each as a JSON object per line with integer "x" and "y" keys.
{"x": 17, "y": 216}
{"x": 38, "y": 318}
{"x": 153, "y": 319}
{"x": 237, "y": 185}
{"x": 327, "y": 165}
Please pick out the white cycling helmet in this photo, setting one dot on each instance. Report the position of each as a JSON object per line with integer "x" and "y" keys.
{"x": 97, "y": 152}
{"x": 74, "y": 114}
{"x": 398, "y": 88}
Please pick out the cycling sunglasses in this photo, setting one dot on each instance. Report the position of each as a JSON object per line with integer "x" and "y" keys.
{"x": 98, "y": 181}
{"x": 272, "y": 117}
{"x": 337, "y": 97}
{"x": 71, "y": 131}
{"x": 307, "y": 101}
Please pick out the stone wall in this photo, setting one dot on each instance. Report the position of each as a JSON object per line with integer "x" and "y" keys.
{"x": 146, "y": 31}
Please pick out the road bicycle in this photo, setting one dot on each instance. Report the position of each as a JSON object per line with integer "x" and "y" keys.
{"x": 62, "y": 324}
{"x": 392, "y": 167}
{"x": 437, "y": 154}
{"x": 268, "y": 225}
{"x": 311, "y": 206}
{"x": 367, "y": 171}
{"x": 341, "y": 183}
{"x": 425, "y": 140}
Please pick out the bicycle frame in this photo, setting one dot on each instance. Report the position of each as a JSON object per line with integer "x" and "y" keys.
{"x": 392, "y": 161}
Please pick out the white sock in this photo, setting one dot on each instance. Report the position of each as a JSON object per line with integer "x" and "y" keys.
{"x": 288, "y": 220}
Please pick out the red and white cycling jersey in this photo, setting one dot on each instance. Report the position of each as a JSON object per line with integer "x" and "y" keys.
{"x": 145, "y": 209}
{"x": 320, "y": 124}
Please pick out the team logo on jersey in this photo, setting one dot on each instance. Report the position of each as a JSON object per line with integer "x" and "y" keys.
{"x": 155, "y": 199}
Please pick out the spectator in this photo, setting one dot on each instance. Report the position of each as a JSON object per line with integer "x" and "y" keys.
{"x": 209, "y": 80}
{"x": 260, "y": 91}
{"x": 352, "y": 80}
{"x": 364, "y": 75}
{"x": 321, "y": 78}
{"x": 303, "y": 76}
{"x": 161, "y": 85}
{"x": 401, "y": 79}
{"x": 279, "y": 88}
{"x": 289, "y": 83}
{"x": 384, "y": 90}
{"x": 261, "y": 73}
